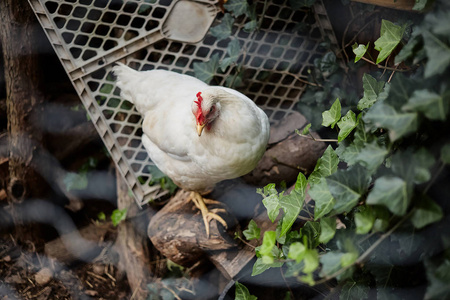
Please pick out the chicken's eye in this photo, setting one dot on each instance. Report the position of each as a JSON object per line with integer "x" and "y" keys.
{"x": 212, "y": 109}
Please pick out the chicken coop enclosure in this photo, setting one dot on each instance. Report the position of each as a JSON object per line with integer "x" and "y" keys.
{"x": 89, "y": 36}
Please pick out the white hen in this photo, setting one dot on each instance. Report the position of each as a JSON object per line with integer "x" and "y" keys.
{"x": 196, "y": 134}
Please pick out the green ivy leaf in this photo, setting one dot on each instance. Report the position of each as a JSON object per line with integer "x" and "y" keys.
{"x": 333, "y": 115}
{"x": 359, "y": 50}
{"x": 305, "y": 130}
{"x": 237, "y": 7}
{"x": 354, "y": 290}
{"x": 419, "y": 171}
{"x": 205, "y": 71}
{"x": 118, "y": 215}
{"x": 420, "y": 4}
{"x": 372, "y": 88}
{"x": 426, "y": 212}
{"x": 297, "y": 251}
{"x": 324, "y": 201}
{"x": 252, "y": 231}
{"x": 349, "y": 151}
{"x": 101, "y": 216}
{"x": 331, "y": 263}
{"x": 372, "y": 156}
{"x": 445, "y": 154}
{"x": 327, "y": 229}
{"x": 311, "y": 260}
{"x": 310, "y": 233}
{"x": 267, "y": 246}
{"x": 398, "y": 124}
{"x": 390, "y": 36}
{"x": 347, "y": 186}
{"x": 346, "y": 125}
{"x": 251, "y": 26}
{"x": 260, "y": 266}
{"x": 348, "y": 259}
{"x": 224, "y": 29}
{"x": 391, "y": 192}
{"x": 432, "y": 105}
{"x": 242, "y": 293}
{"x": 438, "y": 53}
{"x": 272, "y": 205}
{"x": 325, "y": 166}
{"x": 233, "y": 51}
{"x": 438, "y": 275}
{"x": 364, "y": 220}
{"x": 75, "y": 181}
{"x": 292, "y": 204}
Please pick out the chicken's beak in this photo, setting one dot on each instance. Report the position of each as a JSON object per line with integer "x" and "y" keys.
{"x": 200, "y": 128}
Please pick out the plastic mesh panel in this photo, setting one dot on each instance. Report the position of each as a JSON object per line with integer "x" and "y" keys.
{"x": 90, "y": 35}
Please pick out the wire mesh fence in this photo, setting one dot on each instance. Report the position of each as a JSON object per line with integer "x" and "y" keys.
{"x": 90, "y": 35}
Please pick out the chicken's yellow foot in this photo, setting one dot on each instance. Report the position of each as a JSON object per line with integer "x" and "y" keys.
{"x": 207, "y": 214}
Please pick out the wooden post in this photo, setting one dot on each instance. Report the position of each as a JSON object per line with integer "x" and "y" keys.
{"x": 19, "y": 34}
{"x": 132, "y": 243}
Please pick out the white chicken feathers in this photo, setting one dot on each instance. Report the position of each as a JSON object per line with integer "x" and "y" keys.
{"x": 229, "y": 147}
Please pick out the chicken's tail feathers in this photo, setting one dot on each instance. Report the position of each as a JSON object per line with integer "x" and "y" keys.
{"x": 125, "y": 75}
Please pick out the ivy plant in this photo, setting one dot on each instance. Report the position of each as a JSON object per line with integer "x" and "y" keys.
{"x": 380, "y": 190}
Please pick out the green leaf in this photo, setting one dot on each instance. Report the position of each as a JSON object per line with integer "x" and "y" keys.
{"x": 297, "y": 251}
{"x": 327, "y": 229}
{"x": 272, "y": 205}
{"x": 359, "y": 50}
{"x": 253, "y": 231}
{"x": 118, "y": 215}
{"x": 250, "y": 26}
{"x": 426, "y": 212}
{"x": 445, "y": 154}
{"x": 310, "y": 233}
{"x": 267, "y": 246}
{"x": 331, "y": 263}
{"x": 346, "y": 125}
{"x": 233, "y": 51}
{"x": 398, "y": 124}
{"x": 305, "y": 130}
{"x": 438, "y": 275}
{"x": 419, "y": 171}
{"x": 420, "y": 4}
{"x": 311, "y": 260}
{"x": 372, "y": 156}
{"x": 242, "y": 293}
{"x": 75, "y": 181}
{"x": 391, "y": 192}
{"x": 348, "y": 259}
{"x": 390, "y": 36}
{"x": 324, "y": 201}
{"x": 347, "y": 186}
{"x": 224, "y": 29}
{"x": 205, "y": 71}
{"x": 432, "y": 105}
{"x": 331, "y": 117}
{"x": 101, "y": 216}
{"x": 354, "y": 290}
{"x": 349, "y": 151}
{"x": 293, "y": 203}
{"x": 325, "y": 166}
{"x": 438, "y": 53}
{"x": 260, "y": 266}
{"x": 364, "y": 220}
{"x": 372, "y": 88}
{"x": 237, "y": 7}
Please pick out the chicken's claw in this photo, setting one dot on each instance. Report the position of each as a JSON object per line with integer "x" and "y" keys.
{"x": 207, "y": 215}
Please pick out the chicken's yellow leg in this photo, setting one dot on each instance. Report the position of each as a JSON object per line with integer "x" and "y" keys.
{"x": 208, "y": 215}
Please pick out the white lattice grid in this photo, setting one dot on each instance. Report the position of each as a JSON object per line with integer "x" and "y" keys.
{"x": 90, "y": 35}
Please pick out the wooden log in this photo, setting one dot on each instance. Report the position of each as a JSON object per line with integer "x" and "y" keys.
{"x": 289, "y": 155}
{"x": 178, "y": 232}
{"x": 132, "y": 243}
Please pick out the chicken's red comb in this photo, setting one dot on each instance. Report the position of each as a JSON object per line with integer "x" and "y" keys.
{"x": 200, "y": 117}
